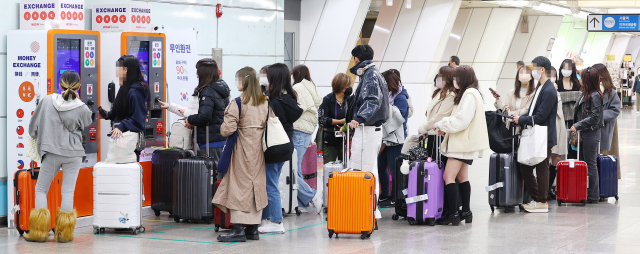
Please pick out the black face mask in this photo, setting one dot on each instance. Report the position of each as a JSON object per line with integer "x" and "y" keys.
{"x": 348, "y": 91}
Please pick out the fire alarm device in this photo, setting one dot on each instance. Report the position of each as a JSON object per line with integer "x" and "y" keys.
{"x": 218, "y": 10}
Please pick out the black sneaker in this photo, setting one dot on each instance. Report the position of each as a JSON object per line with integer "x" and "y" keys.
{"x": 387, "y": 202}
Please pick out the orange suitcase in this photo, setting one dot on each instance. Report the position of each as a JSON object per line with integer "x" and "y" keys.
{"x": 24, "y": 184}
{"x": 352, "y": 202}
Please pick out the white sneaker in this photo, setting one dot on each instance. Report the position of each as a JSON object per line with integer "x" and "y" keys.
{"x": 264, "y": 223}
{"x": 536, "y": 207}
{"x": 302, "y": 209}
{"x": 272, "y": 228}
{"x": 317, "y": 201}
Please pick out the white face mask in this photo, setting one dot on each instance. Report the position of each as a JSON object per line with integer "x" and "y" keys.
{"x": 579, "y": 67}
{"x": 553, "y": 80}
{"x": 566, "y": 73}
{"x": 439, "y": 83}
{"x": 455, "y": 84}
{"x": 264, "y": 81}
{"x": 524, "y": 79}
{"x": 292, "y": 80}
{"x": 536, "y": 75}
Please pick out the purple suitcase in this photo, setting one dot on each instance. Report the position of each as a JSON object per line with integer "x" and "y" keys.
{"x": 425, "y": 195}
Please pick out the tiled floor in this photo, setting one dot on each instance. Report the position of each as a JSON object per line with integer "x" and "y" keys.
{"x": 612, "y": 227}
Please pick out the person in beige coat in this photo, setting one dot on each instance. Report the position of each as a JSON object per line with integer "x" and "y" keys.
{"x": 465, "y": 140}
{"x": 243, "y": 192}
{"x": 518, "y": 100}
{"x": 439, "y": 107}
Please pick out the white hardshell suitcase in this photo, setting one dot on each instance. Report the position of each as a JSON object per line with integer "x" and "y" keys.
{"x": 117, "y": 197}
{"x": 333, "y": 166}
{"x": 288, "y": 186}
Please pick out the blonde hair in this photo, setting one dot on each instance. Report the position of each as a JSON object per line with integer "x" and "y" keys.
{"x": 70, "y": 82}
{"x": 251, "y": 91}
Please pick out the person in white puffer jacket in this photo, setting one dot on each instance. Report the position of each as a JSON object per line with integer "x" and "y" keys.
{"x": 309, "y": 99}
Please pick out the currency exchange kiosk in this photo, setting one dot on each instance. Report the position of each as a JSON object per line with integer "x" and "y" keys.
{"x": 54, "y": 52}
{"x": 149, "y": 48}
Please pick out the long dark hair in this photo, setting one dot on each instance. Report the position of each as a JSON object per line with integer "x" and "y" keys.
{"x": 574, "y": 75}
{"x": 465, "y": 76}
{"x": 299, "y": 73}
{"x": 446, "y": 73}
{"x": 207, "y": 70}
{"x": 590, "y": 83}
{"x": 393, "y": 81}
{"x": 518, "y": 84}
{"x": 134, "y": 75}
{"x": 278, "y": 76}
{"x": 605, "y": 78}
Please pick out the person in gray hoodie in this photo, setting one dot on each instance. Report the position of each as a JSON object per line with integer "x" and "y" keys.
{"x": 57, "y": 124}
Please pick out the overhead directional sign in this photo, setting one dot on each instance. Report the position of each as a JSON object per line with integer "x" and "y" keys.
{"x": 613, "y": 23}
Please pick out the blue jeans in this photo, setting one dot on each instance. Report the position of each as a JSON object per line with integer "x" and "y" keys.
{"x": 273, "y": 210}
{"x": 301, "y": 142}
{"x": 387, "y": 159}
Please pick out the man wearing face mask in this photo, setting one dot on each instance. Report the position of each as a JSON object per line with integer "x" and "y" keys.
{"x": 542, "y": 111}
{"x": 579, "y": 66}
{"x": 371, "y": 109}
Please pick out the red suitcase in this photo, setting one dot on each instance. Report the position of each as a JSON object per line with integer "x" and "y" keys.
{"x": 220, "y": 219}
{"x": 572, "y": 181}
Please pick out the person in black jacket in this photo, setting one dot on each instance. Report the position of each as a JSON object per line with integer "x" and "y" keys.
{"x": 129, "y": 112}
{"x": 542, "y": 112}
{"x": 213, "y": 94}
{"x": 282, "y": 100}
{"x": 331, "y": 116}
{"x": 589, "y": 119}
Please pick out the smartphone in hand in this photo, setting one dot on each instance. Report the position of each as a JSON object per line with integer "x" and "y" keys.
{"x": 494, "y": 92}
{"x": 103, "y": 113}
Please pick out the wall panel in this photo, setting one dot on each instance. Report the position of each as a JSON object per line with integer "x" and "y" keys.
{"x": 403, "y": 32}
{"x": 473, "y": 34}
{"x": 455, "y": 37}
{"x": 382, "y": 30}
{"x": 545, "y": 29}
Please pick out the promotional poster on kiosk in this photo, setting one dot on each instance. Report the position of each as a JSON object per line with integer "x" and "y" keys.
{"x": 26, "y": 86}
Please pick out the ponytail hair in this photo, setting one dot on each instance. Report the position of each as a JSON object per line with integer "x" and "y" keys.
{"x": 70, "y": 83}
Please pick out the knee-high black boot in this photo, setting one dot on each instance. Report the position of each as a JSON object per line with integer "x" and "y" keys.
{"x": 465, "y": 193}
{"x": 236, "y": 235}
{"x": 452, "y": 217}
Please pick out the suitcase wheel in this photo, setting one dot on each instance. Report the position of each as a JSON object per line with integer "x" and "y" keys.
{"x": 142, "y": 229}
{"x": 96, "y": 231}
{"x": 559, "y": 202}
{"x": 20, "y": 232}
{"x": 176, "y": 219}
{"x": 156, "y": 212}
{"x": 208, "y": 221}
{"x": 395, "y": 217}
{"x": 134, "y": 231}
{"x": 616, "y": 197}
{"x": 216, "y": 229}
{"x": 432, "y": 223}
{"x": 298, "y": 212}
{"x": 331, "y": 234}
{"x": 411, "y": 221}
{"x": 492, "y": 208}
{"x": 363, "y": 236}
{"x": 325, "y": 209}
{"x": 584, "y": 202}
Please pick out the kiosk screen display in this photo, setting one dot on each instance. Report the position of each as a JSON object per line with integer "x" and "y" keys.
{"x": 67, "y": 58}
{"x": 140, "y": 49}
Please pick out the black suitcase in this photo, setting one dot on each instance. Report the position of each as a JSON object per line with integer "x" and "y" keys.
{"x": 162, "y": 163}
{"x": 506, "y": 188}
{"x": 400, "y": 185}
{"x": 193, "y": 180}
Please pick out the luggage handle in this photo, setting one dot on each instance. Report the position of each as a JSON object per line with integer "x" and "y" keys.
{"x": 196, "y": 147}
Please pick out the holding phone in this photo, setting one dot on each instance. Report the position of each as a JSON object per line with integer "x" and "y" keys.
{"x": 494, "y": 92}
{"x": 103, "y": 113}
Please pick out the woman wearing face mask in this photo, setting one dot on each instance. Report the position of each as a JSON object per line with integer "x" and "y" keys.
{"x": 611, "y": 109}
{"x": 519, "y": 99}
{"x": 331, "y": 116}
{"x": 589, "y": 120}
{"x": 561, "y": 133}
{"x": 440, "y": 106}
{"x": 264, "y": 82}
{"x": 465, "y": 140}
{"x": 569, "y": 90}
{"x": 210, "y": 99}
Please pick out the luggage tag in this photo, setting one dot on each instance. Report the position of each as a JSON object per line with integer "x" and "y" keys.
{"x": 14, "y": 210}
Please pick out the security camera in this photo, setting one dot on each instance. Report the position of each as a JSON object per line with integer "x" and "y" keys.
{"x": 155, "y": 27}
